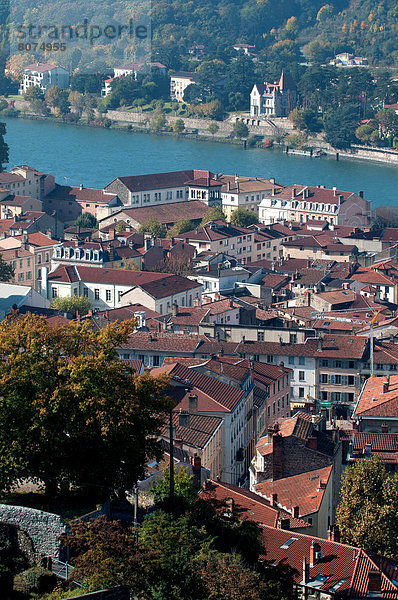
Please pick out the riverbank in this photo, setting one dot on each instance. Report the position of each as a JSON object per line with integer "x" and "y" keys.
{"x": 195, "y": 129}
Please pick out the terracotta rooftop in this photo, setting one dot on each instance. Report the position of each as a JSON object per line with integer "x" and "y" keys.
{"x": 379, "y": 398}
{"x": 251, "y": 506}
{"x": 67, "y": 274}
{"x": 305, "y": 490}
{"x": 342, "y": 571}
{"x": 199, "y": 431}
{"x": 213, "y": 395}
{"x": 153, "y": 181}
{"x": 168, "y": 213}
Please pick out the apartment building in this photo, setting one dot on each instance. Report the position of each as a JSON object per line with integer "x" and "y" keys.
{"x": 43, "y": 76}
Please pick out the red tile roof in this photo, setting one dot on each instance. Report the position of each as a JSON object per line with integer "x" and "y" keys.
{"x": 66, "y": 274}
{"x": 153, "y": 181}
{"x": 199, "y": 432}
{"x": 66, "y": 192}
{"x": 213, "y": 395}
{"x": 41, "y": 67}
{"x": 163, "y": 342}
{"x": 248, "y": 505}
{"x": 374, "y": 402}
{"x": 166, "y": 286}
{"x": 167, "y": 213}
{"x": 344, "y": 569}
{"x": 305, "y": 490}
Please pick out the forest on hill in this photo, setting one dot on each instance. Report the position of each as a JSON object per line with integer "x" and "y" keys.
{"x": 290, "y": 30}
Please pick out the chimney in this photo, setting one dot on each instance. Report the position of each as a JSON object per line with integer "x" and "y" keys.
{"x": 333, "y": 533}
{"x": 315, "y": 553}
{"x": 174, "y": 309}
{"x": 193, "y": 403}
{"x": 296, "y": 512}
{"x": 274, "y": 499}
{"x": 293, "y": 193}
{"x": 312, "y": 443}
{"x": 147, "y": 241}
{"x": 183, "y": 418}
{"x": 111, "y": 234}
{"x": 360, "y": 193}
{"x": 306, "y": 575}
{"x": 277, "y": 456}
{"x": 44, "y": 281}
{"x": 374, "y": 582}
{"x": 284, "y": 523}
{"x": 384, "y": 428}
{"x": 230, "y": 505}
{"x": 386, "y": 385}
{"x": 272, "y": 180}
{"x": 229, "y": 186}
{"x": 81, "y": 187}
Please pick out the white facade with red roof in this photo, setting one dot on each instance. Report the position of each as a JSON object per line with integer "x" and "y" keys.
{"x": 274, "y": 99}
{"x": 304, "y": 203}
{"x": 44, "y": 76}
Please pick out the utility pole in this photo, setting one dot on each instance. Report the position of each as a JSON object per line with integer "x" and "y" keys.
{"x": 171, "y": 456}
{"x": 135, "y": 514}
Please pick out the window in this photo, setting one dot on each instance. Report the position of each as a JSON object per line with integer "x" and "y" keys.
{"x": 85, "y": 292}
{"x": 301, "y": 392}
{"x": 29, "y": 275}
{"x": 301, "y": 360}
{"x": 301, "y": 376}
{"x": 324, "y": 378}
{"x": 324, "y": 362}
{"x": 28, "y": 262}
{"x": 291, "y": 360}
{"x": 20, "y": 263}
{"x": 75, "y": 292}
{"x": 260, "y": 336}
{"x": 54, "y": 292}
{"x": 96, "y": 294}
{"x": 108, "y": 295}
{"x": 20, "y": 276}
{"x": 270, "y": 358}
{"x": 269, "y": 411}
{"x": 39, "y": 259}
{"x": 47, "y": 257}
{"x": 273, "y": 408}
{"x": 293, "y": 339}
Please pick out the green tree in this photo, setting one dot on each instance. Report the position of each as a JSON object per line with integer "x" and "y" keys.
{"x": 33, "y": 93}
{"x": 184, "y": 487}
{"x": 103, "y": 553}
{"x": 3, "y": 148}
{"x": 243, "y": 218}
{"x": 12, "y": 561}
{"x": 86, "y": 219}
{"x": 340, "y": 125}
{"x": 364, "y": 132}
{"x": 180, "y": 226}
{"x": 178, "y": 126}
{"x": 76, "y": 414}
{"x": 75, "y": 305}
{"x": 240, "y": 130}
{"x": 158, "y": 120}
{"x": 368, "y": 512}
{"x": 215, "y": 213}
{"x": 53, "y": 96}
{"x": 77, "y": 102}
{"x": 213, "y": 128}
{"x": 152, "y": 225}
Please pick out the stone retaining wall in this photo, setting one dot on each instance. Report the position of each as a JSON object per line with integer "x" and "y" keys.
{"x": 44, "y": 529}
{"x": 119, "y": 593}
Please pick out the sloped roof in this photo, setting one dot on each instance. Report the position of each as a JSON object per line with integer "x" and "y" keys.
{"x": 345, "y": 568}
{"x": 248, "y": 505}
{"x": 374, "y": 402}
{"x": 305, "y": 490}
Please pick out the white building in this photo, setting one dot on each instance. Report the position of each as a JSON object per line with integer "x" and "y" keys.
{"x": 274, "y": 99}
{"x": 244, "y": 192}
{"x": 44, "y": 76}
{"x": 304, "y": 203}
{"x": 113, "y": 288}
{"x": 179, "y": 83}
{"x": 16, "y": 296}
{"x": 133, "y": 70}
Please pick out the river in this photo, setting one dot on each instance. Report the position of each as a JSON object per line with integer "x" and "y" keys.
{"x": 94, "y": 156}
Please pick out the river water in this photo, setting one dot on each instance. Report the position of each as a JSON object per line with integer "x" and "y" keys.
{"x": 94, "y": 156}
